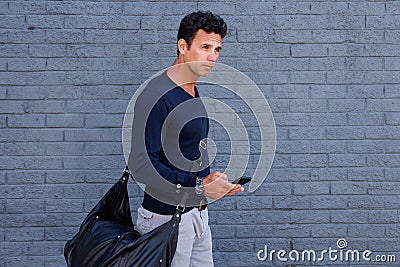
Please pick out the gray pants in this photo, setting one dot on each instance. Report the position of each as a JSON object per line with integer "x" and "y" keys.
{"x": 194, "y": 247}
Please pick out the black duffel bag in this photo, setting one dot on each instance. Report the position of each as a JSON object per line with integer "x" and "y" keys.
{"x": 107, "y": 237}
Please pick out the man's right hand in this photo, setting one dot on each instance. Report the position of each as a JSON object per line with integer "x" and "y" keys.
{"x": 216, "y": 186}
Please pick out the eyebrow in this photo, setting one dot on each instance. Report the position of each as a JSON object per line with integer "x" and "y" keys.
{"x": 208, "y": 44}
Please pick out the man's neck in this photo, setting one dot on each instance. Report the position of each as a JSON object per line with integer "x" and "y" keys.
{"x": 180, "y": 74}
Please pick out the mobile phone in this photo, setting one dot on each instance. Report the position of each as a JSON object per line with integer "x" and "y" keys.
{"x": 242, "y": 180}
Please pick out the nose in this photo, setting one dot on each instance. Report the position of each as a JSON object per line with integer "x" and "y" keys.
{"x": 212, "y": 56}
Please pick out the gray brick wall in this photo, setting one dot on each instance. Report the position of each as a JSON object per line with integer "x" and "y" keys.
{"x": 329, "y": 69}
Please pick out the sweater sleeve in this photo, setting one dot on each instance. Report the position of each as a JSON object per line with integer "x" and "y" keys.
{"x": 147, "y": 159}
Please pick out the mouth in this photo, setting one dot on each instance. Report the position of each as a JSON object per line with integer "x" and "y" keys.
{"x": 209, "y": 66}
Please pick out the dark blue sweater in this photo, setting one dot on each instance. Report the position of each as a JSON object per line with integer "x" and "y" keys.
{"x": 158, "y": 159}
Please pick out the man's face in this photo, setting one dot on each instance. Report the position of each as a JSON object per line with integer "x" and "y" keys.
{"x": 205, "y": 49}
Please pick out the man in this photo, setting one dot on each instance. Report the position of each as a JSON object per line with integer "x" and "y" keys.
{"x": 172, "y": 121}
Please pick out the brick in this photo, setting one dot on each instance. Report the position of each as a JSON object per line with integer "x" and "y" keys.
{"x": 102, "y": 22}
{"x": 25, "y": 177}
{"x": 365, "y": 174}
{"x": 383, "y": 188}
{"x": 293, "y": 147}
{"x": 308, "y": 50}
{"x": 392, "y": 118}
{"x": 66, "y": 177}
{"x": 254, "y": 202}
{"x": 64, "y": 205}
{"x": 45, "y": 78}
{"x": 328, "y": 119}
{"x": 274, "y": 189}
{"x": 37, "y": 7}
{"x": 241, "y": 22}
{"x": 94, "y": 148}
{"x": 311, "y": 216}
{"x": 122, "y": 78}
{"x": 293, "y": 36}
{"x": 327, "y": 91}
{"x": 98, "y": 121}
{"x": 235, "y": 245}
{"x": 272, "y": 232}
{"x": 23, "y": 121}
{"x": 12, "y": 107}
{"x": 43, "y": 248}
{"x": 39, "y": 135}
{"x": 308, "y": 77}
{"x": 291, "y": 175}
{"x": 365, "y": 119}
{"x": 291, "y": 91}
{"x": 291, "y": 202}
{"x": 26, "y": 149}
{"x": 48, "y": 106}
{"x": 328, "y": 146}
{"x": 24, "y": 206}
{"x": 386, "y": 160}
{"x": 346, "y": 105}
{"x": 379, "y": 22}
{"x": 347, "y": 160}
{"x": 308, "y": 160}
{"x": 314, "y": 105}
{"x": 10, "y": 162}
{"x": 311, "y": 188}
{"x": 392, "y": 231}
{"x": 87, "y": 106}
{"x": 365, "y": 147}
{"x": 366, "y": 231}
{"x": 362, "y": 202}
{"x": 84, "y": 191}
{"x": 392, "y": 63}
{"x": 20, "y": 261}
{"x": 322, "y": 202}
{"x": 329, "y": 230}
{"x": 25, "y": 93}
{"x": 281, "y": 161}
{"x": 74, "y": 163}
{"x": 3, "y": 121}
{"x": 40, "y": 220}
{"x": 379, "y": 105}
{"x": 272, "y": 77}
{"x": 144, "y": 9}
{"x": 383, "y": 216}
{"x": 258, "y": 8}
{"x": 49, "y": 50}
{"x": 345, "y": 133}
{"x": 258, "y": 50}
{"x": 26, "y": 36}
{"x": 64, "y": 121}
{"x": 12, "y": 78}
{"x": 252, "y": 217}
{"x": 349, "y": 216}
{"x": 355, "y": 188}
{"x": 392, "y": 174}
{"x": 12, "y": 192}
{"x": 306, "y": 133}
{"x": 387, "y": 132}
{"x": 40, "y": 162}
{"x": 291, "y": 119}
{"x": 64, "y": 92}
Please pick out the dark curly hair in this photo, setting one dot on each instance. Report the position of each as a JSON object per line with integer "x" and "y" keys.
{"x": 195, "y": 21}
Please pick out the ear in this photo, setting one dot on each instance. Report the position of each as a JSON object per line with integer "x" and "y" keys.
{"x": 182, "y": 46}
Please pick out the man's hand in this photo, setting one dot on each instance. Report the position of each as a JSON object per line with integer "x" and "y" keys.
{"x": 216, "y": 186}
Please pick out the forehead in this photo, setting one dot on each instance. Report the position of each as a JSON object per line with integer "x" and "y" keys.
{"x": 204, "y": 37}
